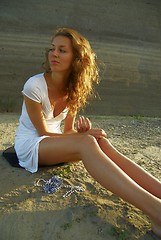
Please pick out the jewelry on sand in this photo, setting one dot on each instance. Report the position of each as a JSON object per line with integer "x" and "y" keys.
{"x": 56, "y": 183}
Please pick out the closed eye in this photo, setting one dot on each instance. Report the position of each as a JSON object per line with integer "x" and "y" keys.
{"x": 62, "y": 50}
{"x": 51, "y": 49}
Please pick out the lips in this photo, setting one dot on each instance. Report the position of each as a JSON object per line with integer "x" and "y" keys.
{"x": 54, "y": 62}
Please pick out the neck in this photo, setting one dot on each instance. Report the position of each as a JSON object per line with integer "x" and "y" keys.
{"x": 57, "y": 81}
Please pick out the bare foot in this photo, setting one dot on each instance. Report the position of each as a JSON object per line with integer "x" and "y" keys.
{"x": 156, "y": 229}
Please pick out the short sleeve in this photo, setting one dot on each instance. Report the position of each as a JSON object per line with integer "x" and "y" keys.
{"x": 32, "y": 90}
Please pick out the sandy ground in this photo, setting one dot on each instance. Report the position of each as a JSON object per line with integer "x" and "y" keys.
{"x": 26, "y": 212}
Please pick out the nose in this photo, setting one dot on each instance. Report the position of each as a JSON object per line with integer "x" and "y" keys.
{"x": 55, "y": 53}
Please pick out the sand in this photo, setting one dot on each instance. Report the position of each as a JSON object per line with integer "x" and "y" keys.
{"x": 27, "y": 212}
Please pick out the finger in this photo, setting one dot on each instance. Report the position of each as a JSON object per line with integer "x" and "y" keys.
{"x": 80, "y": 123}
{"x": 83, "y": 124}
{"x": 77, "y": 126}
{"x": 103, "y": 133}
{"x": 96, "y": 132}
{"x": 88, "y": 124}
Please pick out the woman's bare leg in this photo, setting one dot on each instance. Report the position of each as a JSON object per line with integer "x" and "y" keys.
{"x": 138, "y": 174}
{"x": 53, "y": 150}
{"x": 103, "y": 169}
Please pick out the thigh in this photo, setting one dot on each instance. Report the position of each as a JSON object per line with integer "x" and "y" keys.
{"x": 53, "y": 150}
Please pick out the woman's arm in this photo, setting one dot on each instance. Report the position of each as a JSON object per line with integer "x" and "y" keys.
{"x": 36, "y": 115}
{"x": 69, "y": 123}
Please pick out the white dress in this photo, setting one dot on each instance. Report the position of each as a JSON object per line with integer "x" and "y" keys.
{"x": 26, "y": 138}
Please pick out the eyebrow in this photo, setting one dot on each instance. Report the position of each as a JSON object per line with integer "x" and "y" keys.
{"x": 59, "y": 46}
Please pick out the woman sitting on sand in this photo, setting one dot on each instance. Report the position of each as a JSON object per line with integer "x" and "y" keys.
{"x": 58, "y": 94}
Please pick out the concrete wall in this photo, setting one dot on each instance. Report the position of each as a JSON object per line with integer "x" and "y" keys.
{"x": 125, "y": 34}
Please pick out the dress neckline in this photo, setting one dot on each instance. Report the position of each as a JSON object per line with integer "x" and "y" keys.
{"x": 51, "y": 106}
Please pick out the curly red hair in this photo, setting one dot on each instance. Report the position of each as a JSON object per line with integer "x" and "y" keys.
{"x": 84, "y": 71}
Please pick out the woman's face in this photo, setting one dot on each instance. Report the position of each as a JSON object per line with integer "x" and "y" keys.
{"x": 61, "y": 55}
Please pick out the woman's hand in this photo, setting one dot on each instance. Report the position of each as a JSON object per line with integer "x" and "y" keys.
{"x": 83, "y": 125}
{"x": 96, "y": 132}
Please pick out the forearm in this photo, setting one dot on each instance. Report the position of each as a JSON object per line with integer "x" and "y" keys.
{"x": 52, "y": 134}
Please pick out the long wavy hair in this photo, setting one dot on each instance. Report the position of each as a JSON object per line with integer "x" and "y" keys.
{"x": 84, "y": 73}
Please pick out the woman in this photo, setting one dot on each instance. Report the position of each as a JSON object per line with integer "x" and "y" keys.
{"x": 58, "y": 94}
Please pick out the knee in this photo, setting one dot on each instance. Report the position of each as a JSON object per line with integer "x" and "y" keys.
{"x": 89, "y": 140}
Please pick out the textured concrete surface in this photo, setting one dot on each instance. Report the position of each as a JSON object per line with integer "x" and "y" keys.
{"x": 126, "y": 35}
